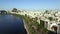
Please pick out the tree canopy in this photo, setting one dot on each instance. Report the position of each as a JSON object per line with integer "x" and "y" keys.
{"x": 14, "y": 10}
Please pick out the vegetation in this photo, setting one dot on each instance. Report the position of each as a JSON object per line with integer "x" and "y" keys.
{"x": 50, "y": 18}
{"x": 3, "y": 12}
{"x": 32, "y": 26}
{"x": 14, "y": 10}
{"x": 46, "y": 11}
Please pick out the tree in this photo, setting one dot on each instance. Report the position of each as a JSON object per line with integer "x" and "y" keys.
{"x": 14, "y": 10}
{"x": 50, "y": 18}
{"x": 46, "y": 12}
{"x": 3, "y": 12}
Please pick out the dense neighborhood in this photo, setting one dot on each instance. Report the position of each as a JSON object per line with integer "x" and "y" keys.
{"x": 46, "y": 18}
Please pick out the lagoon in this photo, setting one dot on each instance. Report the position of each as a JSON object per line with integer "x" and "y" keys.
{"x": 10, "y": 24}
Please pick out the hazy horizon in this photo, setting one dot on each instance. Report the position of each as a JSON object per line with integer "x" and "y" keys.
{"x": 29, "y": 4}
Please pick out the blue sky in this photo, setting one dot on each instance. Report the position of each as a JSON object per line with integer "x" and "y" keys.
{"x": 29, "y": 4}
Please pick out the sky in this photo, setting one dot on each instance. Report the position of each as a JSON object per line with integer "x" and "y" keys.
{"x": 29, "y": 4}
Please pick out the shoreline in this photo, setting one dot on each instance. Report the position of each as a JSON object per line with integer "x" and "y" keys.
{"x": 25, "y": 26}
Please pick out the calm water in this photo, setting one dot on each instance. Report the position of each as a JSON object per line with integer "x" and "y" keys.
{"x": 10, "y": 24}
